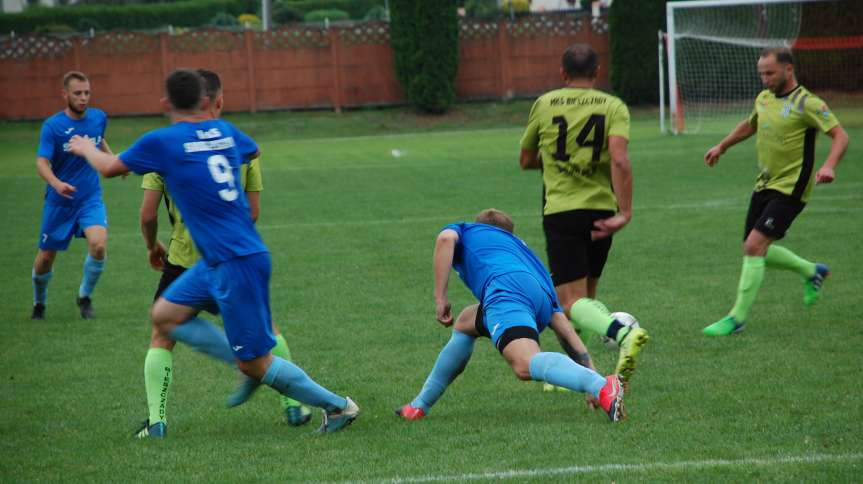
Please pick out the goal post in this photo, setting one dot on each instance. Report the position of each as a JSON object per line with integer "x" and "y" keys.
{"x": 712, "y": 47}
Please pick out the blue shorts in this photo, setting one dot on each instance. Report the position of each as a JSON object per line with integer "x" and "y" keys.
{"x": 516, "y": 299}
{"x": 62, "y": 222}
{"x": 239, "y": 289}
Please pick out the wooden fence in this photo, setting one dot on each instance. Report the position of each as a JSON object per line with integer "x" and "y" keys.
{"x": 291, "y": 67}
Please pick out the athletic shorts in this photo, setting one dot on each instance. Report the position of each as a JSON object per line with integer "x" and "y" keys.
{"x": 514, "y": 306}
{"x": 571, "y": 253}
{"x": 62, "y": 222}
{"x": 240, "y": 290}
{"x": 771, "y": 213}
{"x": 170, "y": 273}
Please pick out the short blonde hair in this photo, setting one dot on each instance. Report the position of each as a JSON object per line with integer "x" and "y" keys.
{"x": 77, "y": 75}
{"x": 493, "y": 216}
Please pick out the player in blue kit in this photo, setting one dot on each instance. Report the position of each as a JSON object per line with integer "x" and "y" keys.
{"x": 73, "y": 198}
{"x": 199, "y": 158}
{"x": 517, "y": 302}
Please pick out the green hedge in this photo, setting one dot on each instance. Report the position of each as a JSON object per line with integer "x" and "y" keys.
{"x": 357, "y": 9}
{"x": 332, "y": 14}
{"x": 424, "y": 39}
{"x": 192, "y": 13}
{"x": 633, "y": 25}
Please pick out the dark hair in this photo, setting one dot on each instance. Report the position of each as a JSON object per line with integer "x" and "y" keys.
{"x": 185, "y": 89}
{"x": 493, "y": 216}
{"x": 77, "y": 75}
{"x": 783, "y": 54}
{"x": 580, "y": 61}
{"x": 212, "y": 83}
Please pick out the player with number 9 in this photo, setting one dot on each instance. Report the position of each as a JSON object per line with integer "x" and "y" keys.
{"x": 578, "y": 136}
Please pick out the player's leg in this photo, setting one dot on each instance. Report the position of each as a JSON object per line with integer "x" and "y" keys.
{"x": 241, "y": 288}
{"x": 57, "y": 229}
{"x": 94, "y": 265}
{"x": 295, "y": 413}
{"x": 450, "y": 363}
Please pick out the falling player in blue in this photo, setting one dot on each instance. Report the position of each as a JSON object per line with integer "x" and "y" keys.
{"x": 73, "y": 197}
{"x": 516, "y": 302}
{"x": 199, "y": 158}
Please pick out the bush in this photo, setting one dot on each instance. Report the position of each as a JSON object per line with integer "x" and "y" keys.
{"x": 424, "y": 39}
{"x": 481, "y": 9}
{"x": 55, "y": 29}
{"x": 283, "y": 14}
{"x": 632, "y": 37}
{"x": 519, "y": 7}
{"x": 250, "y": 20}
{"x": 223, "y": 19}
{"x": 331, "y": 13}
{"x": 378, "y": 12}
{"x": 356, "y": 9}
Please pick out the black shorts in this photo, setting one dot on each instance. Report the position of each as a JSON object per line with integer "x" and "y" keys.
{"x": 170, "y": 273}
{"x": 771, "y": 213}
{"x": 508, "y": 336}
{"x": 571, "y": 253}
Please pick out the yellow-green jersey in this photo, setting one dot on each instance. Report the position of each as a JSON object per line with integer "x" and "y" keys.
{"x": 570, "y": 129}
{"x": 787, "y": 126}
{"x": 181, "y": 249}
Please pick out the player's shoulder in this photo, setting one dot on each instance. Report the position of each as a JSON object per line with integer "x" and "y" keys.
{"x": 55, "y": 119}
{"x": 97, "y": 113}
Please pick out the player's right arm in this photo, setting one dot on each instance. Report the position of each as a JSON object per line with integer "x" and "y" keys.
{"x": 529, "y": 158}
{"x": 621, "y": 182}
{"x": 108, "y": 165}
{"x": 149, "y": 216}
{"x": 443, "y": 254}
{"x": 742, "y": 131}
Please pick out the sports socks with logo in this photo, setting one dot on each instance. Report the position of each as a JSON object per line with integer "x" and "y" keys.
{"x": 451, "y": 361}
{"x": 751, "y": 276}
{"x": 282, "y": 351}
{"x": 592, "y": 315}
{"x": 92, "y": 270}
{"x": 779, "y": 257}
{"x": 205, "y": 337}
{"x": 158, "y": 374}
{"x": 40, "y": 286}
{"x": 559, "y": 370}
{"x": 289, "y": 379}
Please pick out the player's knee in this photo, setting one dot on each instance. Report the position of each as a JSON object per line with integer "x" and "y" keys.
{"x": 44, "y": 261}
{"x": 753, "y": 249}
{"x": 98, "y": 249}
{"x": 256, "y": 368}
{"x": 521, "y": 370}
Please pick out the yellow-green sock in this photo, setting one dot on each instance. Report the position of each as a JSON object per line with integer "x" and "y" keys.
{"x": 158, "y": 373}
{"x": 781, "y": 258}
{"x": 750, "y": 281}
{"x": 282, "y": 351}
{"x": 591, "y": 315}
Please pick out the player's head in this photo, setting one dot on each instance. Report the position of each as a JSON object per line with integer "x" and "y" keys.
{"x": 579, "y": 61}
{"x": 776, "y": 69}
{"x": 186, "y": 91}
{"x": 493, "y": 216}
{"x": 76, "y": 92}
{"x": 213, "y": 87}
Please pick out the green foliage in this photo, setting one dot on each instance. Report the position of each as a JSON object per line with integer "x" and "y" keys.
{"x": 519, "y": 7}
{"x": 356, "y": 9}
{"x": 378, "y": 12}
{"x": 283, "y": 13}
{"x": 223, "y": 19}
{"x": 424, "y": 38}
{"x": 332, "y": 14}
{"x": 55, "y": 29}
{"x": 633, "y": 25}
{"x": 188, "y": 13}
{"x": 481, "y": 9}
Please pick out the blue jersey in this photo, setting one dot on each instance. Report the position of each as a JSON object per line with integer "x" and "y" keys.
{"x": 200, "y": 165}
{"x": 484, "y": 252}
{"x": 72, "y": 169}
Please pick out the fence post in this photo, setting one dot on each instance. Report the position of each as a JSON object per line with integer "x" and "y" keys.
{"x": 250, "y": 70}
{"x": 335, "y": 62}
{"x": 503, "y": 59}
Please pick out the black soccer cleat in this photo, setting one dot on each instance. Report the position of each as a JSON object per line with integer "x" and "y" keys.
{"x": 38, "y": 312}
{"x": 86, "y": 307}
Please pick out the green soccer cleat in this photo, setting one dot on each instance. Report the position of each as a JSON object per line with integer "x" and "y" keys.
{"x": 724, "y": 327}
{"x": 548, "y": 387}
{"x": 297, "y": 415}
{"x": 812, "y": 286}
{"x": 338, "y": 420}
{"x": 630, "y": 346}
{"x": 156, "y": 431}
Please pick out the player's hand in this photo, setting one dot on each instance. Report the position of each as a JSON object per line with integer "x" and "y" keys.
{"x": 592, "y": 402}
{"x": 79, "y": 145}
{"x": 825, "y": 175}
{"x": 713, "y": 154}
{"x": 157, "y": 256}
{"x": 64, "y": 189}
{"x": 608, "y": 226}
{"x": 443, "y": 312}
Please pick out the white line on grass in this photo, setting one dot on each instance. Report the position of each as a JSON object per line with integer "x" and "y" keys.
{"x": 630, "y": 468}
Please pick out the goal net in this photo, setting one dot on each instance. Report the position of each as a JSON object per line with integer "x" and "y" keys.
{"x": 713, "y": 47}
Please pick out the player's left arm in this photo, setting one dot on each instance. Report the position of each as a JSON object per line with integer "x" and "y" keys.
{"x": 621, "y": 182}
{"x": 529, "y": 158}
{"x": 838, "y": 147}
{"x": 444, "y": 252}
{"x": 253, "y": 186}
{"x": 109, "y": 165}
{"x": 574, "y": 347}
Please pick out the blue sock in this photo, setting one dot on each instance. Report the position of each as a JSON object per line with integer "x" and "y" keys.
{"x": 205, "y": 337}
{"x": 40, "y": 287}
{"x": 450, "y": 363}
{"x": 559, "y": 370}
{"x": 291, "y": 381}
{"x": 92, "y": 270}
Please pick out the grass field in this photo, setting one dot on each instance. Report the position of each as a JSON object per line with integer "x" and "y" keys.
{"x": 351, "y": 228}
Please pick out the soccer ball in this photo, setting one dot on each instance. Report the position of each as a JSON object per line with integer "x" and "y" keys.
{"x": 625, "y": 319}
